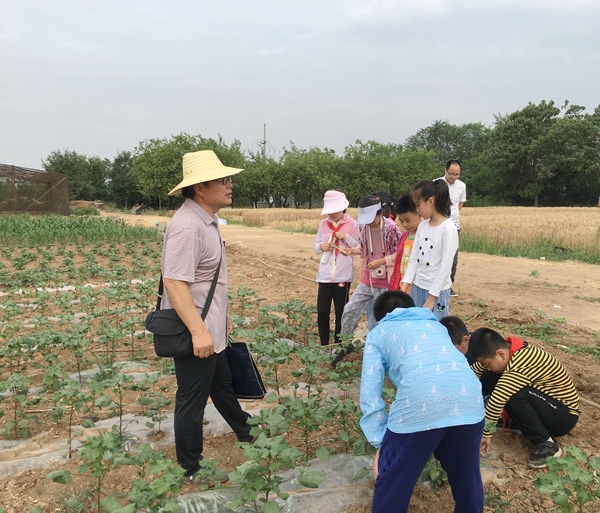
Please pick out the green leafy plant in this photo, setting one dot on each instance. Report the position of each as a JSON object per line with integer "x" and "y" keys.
{"x": 495, "y": 501}
{"x": 272, "y": 355}
{"x": 572, "y": 481}
{"x": 71, "y": 401}
{"x": 258, "y": 478}
{"x": 246, "y": 300}
{"x": 159, "y": 479}
{"x": 119, "y": 385}
{"x": 17, "y": 385}
{"x": 153, "y": 404}
{"x": 434, "y": 474}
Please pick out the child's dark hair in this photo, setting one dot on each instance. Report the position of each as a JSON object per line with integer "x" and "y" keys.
{"x": 386, "y": 204}
{"x": 404, "y": 205}
{"x": 456, "y": 328}
{"x": 389, "y": 300}
{"x": 484, "y": 343}
{"x": 436, "y": 189}
{"x": 368, "y": 201}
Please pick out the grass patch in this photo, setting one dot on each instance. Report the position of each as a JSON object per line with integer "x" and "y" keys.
{"x": 84, "y": 211}
{"x": 231, "y": 220}
{"x": 46, "y": 230}
{"x": 590, "y": 299}
{"x": 537, "y": 248}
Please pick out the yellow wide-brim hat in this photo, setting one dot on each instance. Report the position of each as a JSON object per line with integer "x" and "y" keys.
{"x": 202, "y": 166}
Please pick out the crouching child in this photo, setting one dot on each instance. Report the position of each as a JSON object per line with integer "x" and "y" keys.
{"x": 533, "y": 388}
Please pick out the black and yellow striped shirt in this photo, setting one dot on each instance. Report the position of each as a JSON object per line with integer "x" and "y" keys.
{"x": 530, "y": 367}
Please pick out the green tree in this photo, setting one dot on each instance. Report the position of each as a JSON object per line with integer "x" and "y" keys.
{"x": 87, "y": 176}
{"x": 535, "y": 155}
{"x": 255, "y": 184}
{"x": 371, "y": 166}
{"x": 516, "y": 151}
{"x": 122, "y": 185}
{"x": 464, "y": 142}
{"x": 157, "y": 163}
{"x": 309, "y": 173}
{"x": 571, "y": 159}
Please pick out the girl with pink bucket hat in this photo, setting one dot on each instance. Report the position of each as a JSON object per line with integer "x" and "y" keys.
{"x": 337, "y": 235}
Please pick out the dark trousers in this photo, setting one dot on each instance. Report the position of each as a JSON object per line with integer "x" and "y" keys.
{"x": 538, "y": 415}
{"x": 197, "y": 378}
{"x": 455, "y": 262}
{"x": 403, "y": 456}
{"x": 339, "y": 295}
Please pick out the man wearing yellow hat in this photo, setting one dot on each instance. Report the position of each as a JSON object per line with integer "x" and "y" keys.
{"x": 192, "y": 252}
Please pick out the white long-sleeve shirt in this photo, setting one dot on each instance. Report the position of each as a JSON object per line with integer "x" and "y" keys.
{"x": 431, "y": 257}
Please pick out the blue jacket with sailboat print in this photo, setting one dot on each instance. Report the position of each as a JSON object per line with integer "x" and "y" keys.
{"x": 436, "y": 388}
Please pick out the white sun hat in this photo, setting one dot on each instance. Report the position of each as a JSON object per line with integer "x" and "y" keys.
{"x": 202, "y": 166}
{"x": 334, "y": 201}
{"x": 366, "y": 215}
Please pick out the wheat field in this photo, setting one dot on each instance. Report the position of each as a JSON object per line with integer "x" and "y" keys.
{"x": 564, "y": 227}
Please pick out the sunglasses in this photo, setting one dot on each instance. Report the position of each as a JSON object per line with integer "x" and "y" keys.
{"x": 225, "y": 180}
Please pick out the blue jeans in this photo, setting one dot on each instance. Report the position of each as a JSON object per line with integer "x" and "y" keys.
{"x": 402, "y": 458}
{"x": 442, "y": 305}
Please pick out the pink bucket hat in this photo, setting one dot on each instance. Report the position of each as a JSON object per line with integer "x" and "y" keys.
{"x": 334, "y": 201}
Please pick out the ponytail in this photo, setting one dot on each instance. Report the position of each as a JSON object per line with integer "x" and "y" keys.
{"x": 438, "y": 189}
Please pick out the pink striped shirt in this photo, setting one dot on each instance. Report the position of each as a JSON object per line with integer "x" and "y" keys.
{"x": 191, "y": 251}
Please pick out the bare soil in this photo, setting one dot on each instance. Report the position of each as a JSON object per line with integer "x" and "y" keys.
{"x": 553, "y": 305}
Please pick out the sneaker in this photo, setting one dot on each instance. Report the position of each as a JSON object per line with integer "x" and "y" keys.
{"x": 453, "y": 293}
{"x": 537, "y": 458}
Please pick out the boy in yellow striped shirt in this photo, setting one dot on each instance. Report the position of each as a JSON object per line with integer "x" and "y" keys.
{"x": 533, "y": 388}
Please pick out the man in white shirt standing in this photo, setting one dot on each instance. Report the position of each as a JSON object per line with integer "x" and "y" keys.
{"x": 458, "y": 196}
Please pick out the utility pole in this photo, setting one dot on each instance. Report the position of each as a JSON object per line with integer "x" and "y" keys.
{"x": 263, "y": 143}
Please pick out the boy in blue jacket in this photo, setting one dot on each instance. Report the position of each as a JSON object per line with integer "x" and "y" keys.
{"x": 438, "y": 407}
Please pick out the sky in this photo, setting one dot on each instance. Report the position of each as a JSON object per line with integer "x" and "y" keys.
{"x": 99, "y": 76}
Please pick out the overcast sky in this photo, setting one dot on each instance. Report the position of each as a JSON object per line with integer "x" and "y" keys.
{"x": 97, "y": 77}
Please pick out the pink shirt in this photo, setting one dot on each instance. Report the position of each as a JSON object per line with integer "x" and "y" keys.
{"x": 367, "y": 278}
{"x": 338, "y": 268}
{"x": 191, "y": 251}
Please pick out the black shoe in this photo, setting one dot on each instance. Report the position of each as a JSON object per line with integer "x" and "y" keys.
{"x": 248, "y": 439}
{"x": 453, "y": 294}
{"x": 537, "y": 458}
{"x": 341, "y": 355}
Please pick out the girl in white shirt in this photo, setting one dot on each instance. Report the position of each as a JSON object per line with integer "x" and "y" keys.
{"x": 435, "y": 244}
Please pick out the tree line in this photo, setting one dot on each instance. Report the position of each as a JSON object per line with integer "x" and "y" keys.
{"x": 541, "y": 155}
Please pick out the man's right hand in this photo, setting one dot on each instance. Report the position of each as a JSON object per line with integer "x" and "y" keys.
{"x": 203, "y": 344}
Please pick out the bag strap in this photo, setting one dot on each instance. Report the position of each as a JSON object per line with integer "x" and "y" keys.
{"x": 209, "y": 298}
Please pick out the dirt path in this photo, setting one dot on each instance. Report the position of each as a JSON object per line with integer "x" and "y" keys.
{"x": 567, "y": 290}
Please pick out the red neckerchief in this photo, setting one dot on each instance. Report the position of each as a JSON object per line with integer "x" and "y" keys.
{"x": 335, "y": 230}
{"x": 515, "y": 345}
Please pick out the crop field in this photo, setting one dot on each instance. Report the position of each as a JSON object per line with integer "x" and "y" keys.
{"x": 571, "y": 233}
{"x": 74, "y": 354}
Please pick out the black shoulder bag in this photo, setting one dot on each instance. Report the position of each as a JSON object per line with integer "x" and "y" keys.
{"x": 171, "y": 336}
